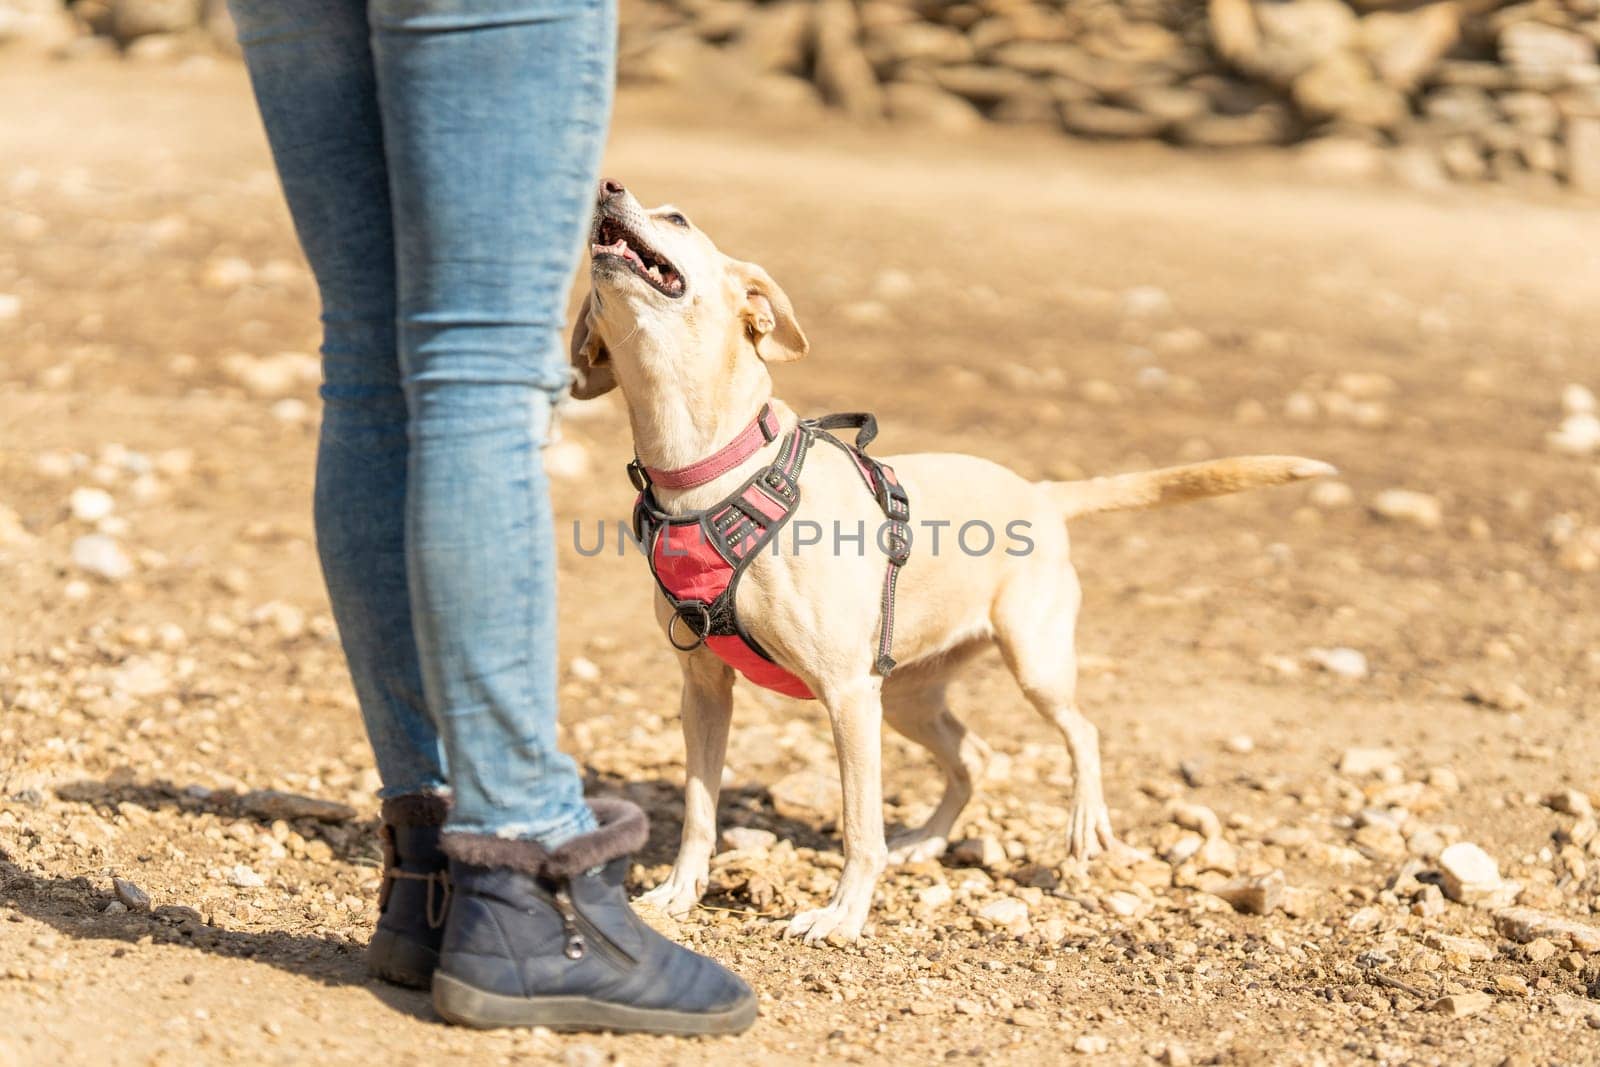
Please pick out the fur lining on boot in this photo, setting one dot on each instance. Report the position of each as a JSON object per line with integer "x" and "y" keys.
{"x": 623, "y": 829}
{"x": 416, "y": 809}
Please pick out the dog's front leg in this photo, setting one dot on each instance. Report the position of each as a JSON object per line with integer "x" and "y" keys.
{"x": 707, "y": 709}
{"x": 856, "y": 713}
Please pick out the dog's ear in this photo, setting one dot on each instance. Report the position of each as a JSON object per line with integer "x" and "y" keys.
{"x": 769, "y": 317}
{"x": 591, "y": 363}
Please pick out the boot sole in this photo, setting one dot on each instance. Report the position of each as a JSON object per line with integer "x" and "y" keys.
{"x": 400, "y": 960}
{"x": 466, "y": 1005}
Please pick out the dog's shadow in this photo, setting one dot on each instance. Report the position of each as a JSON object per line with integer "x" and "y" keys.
{"x": 742, "y": 805}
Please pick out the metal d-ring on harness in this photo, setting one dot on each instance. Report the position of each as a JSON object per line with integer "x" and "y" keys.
{"x": 681, "y": 612}
{"x": 698, "y": 558}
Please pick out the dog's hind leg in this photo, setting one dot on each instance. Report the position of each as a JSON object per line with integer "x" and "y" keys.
{"x": 707, "y": 709}
{"x": 922, "y": 715}
{"x": 1035, "y": 623}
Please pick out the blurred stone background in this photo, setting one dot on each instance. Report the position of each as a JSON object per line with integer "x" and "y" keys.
{"x": 1462, "y": 90}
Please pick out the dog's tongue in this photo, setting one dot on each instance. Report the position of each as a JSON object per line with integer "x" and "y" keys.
{"x": 619, "y": 248}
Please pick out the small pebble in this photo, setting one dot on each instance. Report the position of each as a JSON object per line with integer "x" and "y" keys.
{"x": 90, "y": 504}
{"x": 1344, "y": 662}
{"x": 102, "y": 557}
{"x": 1409, "y": 506}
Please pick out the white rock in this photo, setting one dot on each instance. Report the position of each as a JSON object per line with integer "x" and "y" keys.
{"x": 1197, "y": 817}
{"x": 10, "y": 306}
{"x": 90, "y": 504}
{"x": 807, "y": 794}
{"x": 102, "y": 557}
{"x": 1359, "y": 761}
{"x": 581, "y": 1055}
{"x": 1330, "y": 495}
{"x": 1261, "y": 895}
{"x": 1008, "y": 913}
{"x": 140, "y": 677}
{"x": 224, "y": 273}
{"x": 1527, "y": 924}
{"x": 1345, "y": 662}
{"x": 1092, "y": 1045}
{"x": 1469, "y": 873}
{"x": 936, "y": 895}
{"x": 243, "y": 877}
{"x": 985, "y": 852}
{"x": 57, "y": 465}
{"x": 1123, "y": 904}
{"x": 1578, "y": 400}
{"x": 1579, "y": 435}
{"x": 288, "y": 620}
{"x": 129, "y": 895}
{"x": 271, "y": 377}
{"x": 1570, "y": 802}
{"x": 291, "y": 409}
{"x": 1217, "y": 854}
{"x": 584, "y": 670}
{"x": 748, "y": 839}
{"x": 1408, "y": 505}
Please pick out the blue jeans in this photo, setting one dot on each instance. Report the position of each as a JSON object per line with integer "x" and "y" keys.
{"x": 439, "y": 158}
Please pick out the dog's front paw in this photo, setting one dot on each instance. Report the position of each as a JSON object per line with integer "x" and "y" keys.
{"x": 833, "y": 923}
{"x": 1089, "y": 837}
{"x": 670, "y": 898}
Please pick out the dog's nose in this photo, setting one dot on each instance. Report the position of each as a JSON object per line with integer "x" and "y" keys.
{"x": 610, "y": 187}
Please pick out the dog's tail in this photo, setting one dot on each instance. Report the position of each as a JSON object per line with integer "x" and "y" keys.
{"x": 1177, "y": 485}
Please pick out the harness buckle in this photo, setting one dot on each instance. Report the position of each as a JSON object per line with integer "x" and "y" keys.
{"x": 678, "y": 616}
{"x": 892, "y": 497}
{"x": 637, "y": 475}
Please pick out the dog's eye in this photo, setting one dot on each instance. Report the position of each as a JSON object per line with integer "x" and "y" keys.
{"x": 677, "y": 220}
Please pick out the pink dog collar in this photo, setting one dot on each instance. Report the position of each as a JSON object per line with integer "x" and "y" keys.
{"x": 762, "y": 431}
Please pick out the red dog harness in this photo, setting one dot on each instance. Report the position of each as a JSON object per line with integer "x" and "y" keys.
{"x": 698, "y": 557}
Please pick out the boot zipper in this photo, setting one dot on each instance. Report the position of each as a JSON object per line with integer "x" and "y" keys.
{"x": 576, "y": 926}
{"x": 569, "y": 923}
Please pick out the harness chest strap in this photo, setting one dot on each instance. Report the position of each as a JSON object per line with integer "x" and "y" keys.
{"x": 699, "y": 576}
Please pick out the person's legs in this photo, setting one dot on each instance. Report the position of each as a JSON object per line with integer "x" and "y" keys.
{"x": 495, "y": 113}
{"x": 311, "y": 65}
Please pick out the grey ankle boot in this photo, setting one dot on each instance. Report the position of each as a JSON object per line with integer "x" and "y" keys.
{"x": 414, "y": 899}
{"x": 541, "y": 937}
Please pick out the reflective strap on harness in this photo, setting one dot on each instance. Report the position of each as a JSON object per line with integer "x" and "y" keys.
{"x": 891, "y": 497}
{"x": 896, "y": 505}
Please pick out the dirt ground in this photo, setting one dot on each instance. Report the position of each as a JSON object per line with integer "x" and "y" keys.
{"x": 1061, "y": 308}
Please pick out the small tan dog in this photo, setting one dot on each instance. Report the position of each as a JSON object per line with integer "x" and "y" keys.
{"x": 687, "y": 333}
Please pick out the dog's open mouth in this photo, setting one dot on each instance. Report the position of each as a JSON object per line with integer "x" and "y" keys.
{"x": 613, "y": 240}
